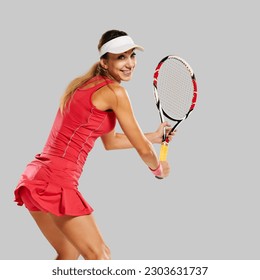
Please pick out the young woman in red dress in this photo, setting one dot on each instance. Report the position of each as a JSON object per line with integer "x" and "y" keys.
{"x": 89, "y": 109}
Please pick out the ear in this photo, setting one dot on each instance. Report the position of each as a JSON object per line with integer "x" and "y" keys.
{"x": 103, "y": 63}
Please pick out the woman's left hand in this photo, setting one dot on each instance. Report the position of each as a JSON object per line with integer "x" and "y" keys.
{"x": 159, "y": 133}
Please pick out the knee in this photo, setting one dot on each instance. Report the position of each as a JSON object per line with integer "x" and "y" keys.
{"x": 101, "y": 253}
{"x": 67, "y": 255}
{"x": 106, "y": 253}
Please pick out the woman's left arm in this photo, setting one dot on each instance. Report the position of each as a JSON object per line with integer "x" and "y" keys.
{"x": 114, "y": 140}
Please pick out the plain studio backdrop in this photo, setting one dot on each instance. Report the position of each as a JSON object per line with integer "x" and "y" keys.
{"x": 208, "y": 208}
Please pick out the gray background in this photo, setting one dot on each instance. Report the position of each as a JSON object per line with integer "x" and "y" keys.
{"x": 209, "y": 206}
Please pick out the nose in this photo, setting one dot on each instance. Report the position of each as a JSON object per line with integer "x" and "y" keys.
{"x": 130, "y": 63}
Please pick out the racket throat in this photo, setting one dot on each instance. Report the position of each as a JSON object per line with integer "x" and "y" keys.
{"x": 165, "y": 137}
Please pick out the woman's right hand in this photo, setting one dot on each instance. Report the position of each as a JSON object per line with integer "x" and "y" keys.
{"x": 165, "y": 169}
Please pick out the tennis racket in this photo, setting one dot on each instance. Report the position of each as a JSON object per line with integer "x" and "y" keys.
{"x": 175, "y": 90}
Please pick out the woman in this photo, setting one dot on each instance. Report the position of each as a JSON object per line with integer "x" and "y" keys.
{"x": 89, "y": 109}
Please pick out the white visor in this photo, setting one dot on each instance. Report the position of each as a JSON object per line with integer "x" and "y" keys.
{"x": 119, "y": 45}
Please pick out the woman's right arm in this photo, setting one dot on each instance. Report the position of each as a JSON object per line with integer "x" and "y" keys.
{"x": 121, "y": 106}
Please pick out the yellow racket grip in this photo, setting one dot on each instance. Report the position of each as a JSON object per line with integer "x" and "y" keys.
{"x": 163, "y": 151}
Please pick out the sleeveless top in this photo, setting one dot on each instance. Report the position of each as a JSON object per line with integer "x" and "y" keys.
{"x": 74, "y": 132}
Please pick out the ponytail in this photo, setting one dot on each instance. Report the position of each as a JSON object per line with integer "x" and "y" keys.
{"x": 76, "y": 83}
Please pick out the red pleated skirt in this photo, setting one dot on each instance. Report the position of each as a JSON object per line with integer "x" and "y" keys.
{"x": 50, "y": 184}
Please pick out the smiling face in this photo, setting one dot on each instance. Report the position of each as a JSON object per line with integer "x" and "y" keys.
{"x": 120, "y": 66}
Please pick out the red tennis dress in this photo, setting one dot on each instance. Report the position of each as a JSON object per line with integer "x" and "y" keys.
{"x": 50, "y": 182}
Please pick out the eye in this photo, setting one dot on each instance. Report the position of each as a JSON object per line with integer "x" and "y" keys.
{"x": 121, "y": 57}
{"x": 133, "y": 54}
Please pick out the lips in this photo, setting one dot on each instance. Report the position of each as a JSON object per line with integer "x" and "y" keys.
{"x": 127, "y": 73}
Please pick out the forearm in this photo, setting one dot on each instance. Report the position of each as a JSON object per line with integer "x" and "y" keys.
{"x": 120, "y": 141}
{"x": 153, "y": 137}
{"x": 147, "y": 152}
{"x": 148, "y": 155}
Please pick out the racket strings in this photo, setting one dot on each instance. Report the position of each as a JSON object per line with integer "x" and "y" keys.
{"x": 175, "y": 88}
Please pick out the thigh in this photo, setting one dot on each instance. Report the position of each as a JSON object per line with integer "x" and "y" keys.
{"x": 84, "y": 234}
{"x": 54, "y": 235}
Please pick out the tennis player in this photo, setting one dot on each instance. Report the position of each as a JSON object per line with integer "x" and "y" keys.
{"x": 89, "y": 109}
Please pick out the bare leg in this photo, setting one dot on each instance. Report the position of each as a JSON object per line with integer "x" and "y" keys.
{"x": 63, "y": 247}
{"x": 83, "y": 233}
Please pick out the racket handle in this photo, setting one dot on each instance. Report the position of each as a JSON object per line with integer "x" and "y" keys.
{"x": 163, "y": 151}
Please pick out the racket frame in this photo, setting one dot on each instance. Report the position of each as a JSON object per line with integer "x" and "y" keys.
{"x": 162, "y": 113}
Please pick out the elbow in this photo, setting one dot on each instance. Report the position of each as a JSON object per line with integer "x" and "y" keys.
{"x": 107, "y": 147}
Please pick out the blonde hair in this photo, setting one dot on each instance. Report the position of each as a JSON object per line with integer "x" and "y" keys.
{"x": 76, "y": 83}
{"x": 95, "y": 70}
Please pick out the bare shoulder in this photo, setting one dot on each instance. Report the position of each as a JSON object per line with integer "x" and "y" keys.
{"x": 121, "y": 100}
{"x": 111, "y": 96}
{"x": 120, "y": 93}
{"x": 118, "y": 90}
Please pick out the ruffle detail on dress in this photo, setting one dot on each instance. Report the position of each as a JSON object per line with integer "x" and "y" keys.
{"x": 52, "y": 198}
